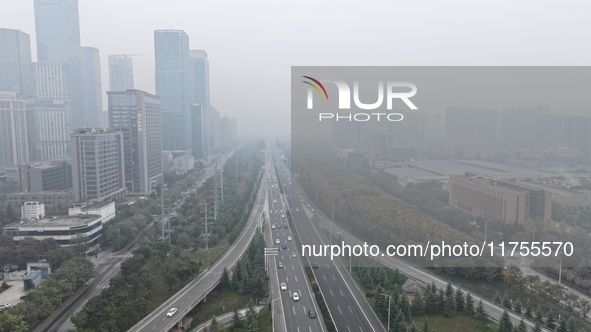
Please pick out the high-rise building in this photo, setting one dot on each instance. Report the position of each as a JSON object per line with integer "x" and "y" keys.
{"x": 197, "y": 131}
{"x": 227, "y": 133}
{"x": 97, "y": 164}
{"x": 50, "y": 124}
{"x": 86, "y": 87}
{"x": 471, "y": 124}
{"x": 211, "y": 121}
{"x": 136, "y": 114}
{"x": 15, "y": 62}
{"x": 14, "y": 143}
{"x": 172, "y": 85}
{"x": 199, "y": 77}
{"x": 55, "y": 175}
{"x": 120, "y": 72}
{"x": 51, "y": 80}
{"x": 57, "y": 29}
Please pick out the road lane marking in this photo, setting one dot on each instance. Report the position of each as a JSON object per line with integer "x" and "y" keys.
{"x": 331, "y": 293}
{"x": 350, "y": 309}
{"x": 323, "y": 276}
{"x": 341, "y": 292}
{"x": 293, "y": 310}
{"x": 339, "y": 310}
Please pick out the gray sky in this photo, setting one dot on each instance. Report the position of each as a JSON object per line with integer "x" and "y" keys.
{"x": 252, "y": 44}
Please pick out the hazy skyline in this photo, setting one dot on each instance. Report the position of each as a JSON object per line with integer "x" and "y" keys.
{"x": 252, "y": 45}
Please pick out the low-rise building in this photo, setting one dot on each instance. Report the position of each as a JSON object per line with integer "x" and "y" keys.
{"x": 32, "y": 211}
{"x": 66, "y": 230}
{"x": 496, "y": 199}
{"x": 105, "y": 209}
{"x": 45, "y": 197}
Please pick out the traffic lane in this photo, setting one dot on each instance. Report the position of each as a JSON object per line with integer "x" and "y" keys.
{"x": 367, "y": 320}
{"x": 293, "y": 275}
{"x": 348, "y": 309}
{"x": 492, "y": 309}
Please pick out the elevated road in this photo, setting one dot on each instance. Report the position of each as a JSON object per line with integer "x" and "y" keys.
{"x": 192, "y": 294}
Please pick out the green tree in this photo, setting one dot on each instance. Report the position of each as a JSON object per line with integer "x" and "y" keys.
{"x": 562, "y": 326}
{"x": 550, "y": 319}
{"x": 12, "y": 323}
{"x": 480, "y": 313}
{"x": 225, "y": 279}
{"x": 56, "y": 257}
{"x": 449, "y": 307}
{"x": 470, "y": 310}
{"x": 537, "y": 327}
{"x": 405, "y": 307}
{"x": 506, "y": 302}
{"x": 505, "y": 324}
{"x": 426, "y": 327}
{"x": 460, "y": 301}
{"x": 497, "y": 298}
{"x": 517, "y": 306}
{"x": 252, "y": 323}
{"x": 417, "y": 307}
{"x": 215, "y": 326}
{"x": 521, "y": 327}
{"x": 236, "y": 322}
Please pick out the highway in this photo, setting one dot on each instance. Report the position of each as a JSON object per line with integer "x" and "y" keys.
{"x": 319, "y": 221}
{"x": 347, "y": 306}
{"x": 296, "y": 315}
{"x": 188, "y": 297}
{"x": 108, "y": 266}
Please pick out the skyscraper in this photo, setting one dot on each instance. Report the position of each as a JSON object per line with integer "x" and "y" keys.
{"x": 136, "y": 114}
{"x": 50, "y": 124}
{"x": 120, "y": 72}
{"x": 57, "y": 29}
{"x": 97, "y": 164}
{"x": 58, "y": 39}
{"x": 172, "y": 85}
{"x": 86, "y": 87}
{"x": 15, "y": 62}
{"x": 51, "y": 80}
{"x": 199, "y": 77}
{"x": 49, "y": 113}
{"x": 226, "y": 133}
{"x": 197, "y": 131}
{"x": 14, "y": 146}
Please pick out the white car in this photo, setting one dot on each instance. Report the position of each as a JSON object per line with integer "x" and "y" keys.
{"x": 283, "y": 286}
{"x": 282, "y": 216}
{"x": 277, "y": 241}
{"x": 293, "y": 254}
{"x": 289, "y": 238}
{"x": 296, "y": 297}
{"x": 273, "y": 226}
{"x": 274, "y": 201}
{"x": 171, "y": 312}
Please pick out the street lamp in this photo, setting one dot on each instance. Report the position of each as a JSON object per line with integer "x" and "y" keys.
{"x": 485, "y": 228}
{"x": 389, "y": 301}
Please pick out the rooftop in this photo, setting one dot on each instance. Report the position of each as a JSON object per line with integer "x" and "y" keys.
{"x": 485, "y": 168}
{"x": 59, "y": 221}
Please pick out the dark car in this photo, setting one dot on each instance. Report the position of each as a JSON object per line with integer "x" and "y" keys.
{"x": 315, "y": 265}
{"x": 312, "y": 313}
{"x": 285, "y": 246}
{"x": 285, "y": 226}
